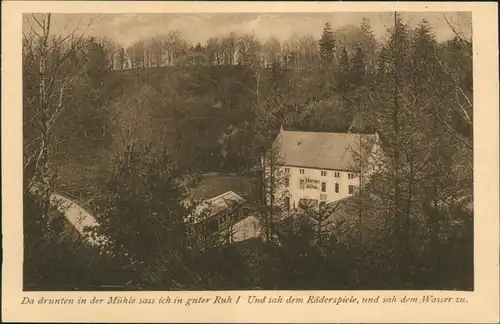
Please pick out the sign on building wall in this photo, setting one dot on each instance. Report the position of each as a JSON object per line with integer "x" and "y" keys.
{"x": 312, "y": 183}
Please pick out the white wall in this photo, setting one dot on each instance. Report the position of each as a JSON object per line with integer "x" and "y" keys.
{"x": 312, "y": 188}
{"x": 373, "y": 164}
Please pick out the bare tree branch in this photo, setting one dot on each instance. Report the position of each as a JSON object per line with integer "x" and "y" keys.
{"x": 458, "y": 88}
{"x": 29, "y": 160}
{"x": 467, "y": 43}
{"x": 38, "y": 22}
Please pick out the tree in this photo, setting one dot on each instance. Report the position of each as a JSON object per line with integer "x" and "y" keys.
{"x": 398, "y": 68}
{"x": 88, "y": 99}
{"x": 111, "y": 49}
{"x": 423, "y": 56}
{"x": 47, "y": 56}
{"x": 291, "y": 52}
{"x": 274, "y": 181}
{"x": 428, "y": 82}
{"x": 214, "y": 51}
{"x": 122, "y": 59}
{"x": 381, "y": 65}
{"x": 173, "y": 46}
{"x": 157, "y": 51}
{"x": 327, "y": 45}
{"x": 229, "y": 45}
{"x": 131, "y": 118}
{"x": 457, "y": 67}
{"x": 368, "y": 44}
{"x": 272, "y": 51}
{"x": 357, "y": 68}
{"x": 409, "y": 99}
{"x": 394, "y": 118}
{"x": 343, "y": 73}
{"x": 97, "y": 63}
{"x": 308, "y": 51}
{"x": 142, "y": 211}
{"x": 318, "y": 216}
{"x": 248, "y": 50}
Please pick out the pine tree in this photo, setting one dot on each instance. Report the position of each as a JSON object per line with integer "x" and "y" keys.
{"x": 398, "y": 48}
{"x": 97, "y": 63}
{"x": 389, "y": 115}
{"x": 358, "y": 68}
{"x": 343, "y": 74}
{"x": 366, "y": 26}
{"x": 327, "y": 45}
{"x": 142, "y": 211}
{"x": 423, "y": 56}
{"x": 369, "y": 43}
{"x": 381, "y": 64}
{"x": 428, "y": 83}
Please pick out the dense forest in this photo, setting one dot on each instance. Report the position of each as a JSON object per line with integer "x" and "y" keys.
{"x": 120, "y": 127}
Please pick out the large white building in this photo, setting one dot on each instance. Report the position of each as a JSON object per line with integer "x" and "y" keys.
{"x": 321, "y": 167}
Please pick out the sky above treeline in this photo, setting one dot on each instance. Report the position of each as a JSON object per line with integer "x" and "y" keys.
{"x": 197, "y": 28}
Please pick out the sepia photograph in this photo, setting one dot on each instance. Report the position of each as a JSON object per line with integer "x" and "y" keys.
{"x": 248, "y": 151}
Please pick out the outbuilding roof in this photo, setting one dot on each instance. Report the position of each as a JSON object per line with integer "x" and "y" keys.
{"x": 216, "y": 205}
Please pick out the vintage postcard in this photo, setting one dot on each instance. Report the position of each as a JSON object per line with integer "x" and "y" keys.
{"x": 250, "y": 162}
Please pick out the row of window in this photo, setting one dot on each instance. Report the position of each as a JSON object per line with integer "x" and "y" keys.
{"x": 222, "y": 220}
{"x": 322, "y": 201}
{"x": 287, "y": 204}
{"x": 302, "y": 185}
{"x": 324, "y": 173}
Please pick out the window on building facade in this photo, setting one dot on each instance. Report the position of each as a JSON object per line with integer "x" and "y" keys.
{"x": 287, "y": 170}
{"x": 337, "y": 188}
{"x": 336, "y": 174}
{"x": 301, "y": 171}
{"x": 287, "y": 182}
{"x": 302, "y": 184}
{"x": 351, "y": 189}
{"x": 323, "y": 173}
{"x": 350, "y": 175}
{"x": 323, "y": 186}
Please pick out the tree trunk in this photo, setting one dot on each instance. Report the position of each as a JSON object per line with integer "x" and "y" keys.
{"x": 42, "y": 164}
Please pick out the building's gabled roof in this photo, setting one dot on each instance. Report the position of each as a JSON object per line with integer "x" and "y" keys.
{"x": 213, "y": 206}
{"x": 334, "y": 151}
